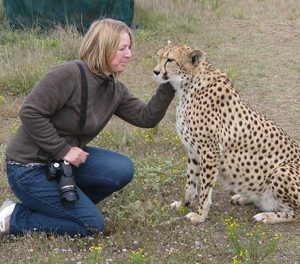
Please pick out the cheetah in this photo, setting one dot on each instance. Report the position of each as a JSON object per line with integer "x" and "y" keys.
{"x": 226, "y": 139}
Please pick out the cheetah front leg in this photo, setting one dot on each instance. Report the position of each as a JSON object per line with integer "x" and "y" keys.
{"x": 191, "y": 187}
{"x": 209, "y": 171}
{"x": 193, "y": 174}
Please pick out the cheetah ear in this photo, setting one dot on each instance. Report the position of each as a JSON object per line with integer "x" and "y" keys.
{"x": 196, "y": 56}
{"x": 169, "y": 42}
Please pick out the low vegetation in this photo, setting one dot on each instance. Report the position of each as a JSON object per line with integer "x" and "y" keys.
{"x": 257, "y": 44}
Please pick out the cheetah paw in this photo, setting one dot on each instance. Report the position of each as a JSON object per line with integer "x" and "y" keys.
{"x": 176, "y": 205}
{"x": 273, "y": 217}
{"x": 262, "y": 217}
{"x": 240, "y": 200}
{"x": 195, "y": 218}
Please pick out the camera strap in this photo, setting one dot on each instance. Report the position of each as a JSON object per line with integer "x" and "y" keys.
{"x": 84, "y": 100}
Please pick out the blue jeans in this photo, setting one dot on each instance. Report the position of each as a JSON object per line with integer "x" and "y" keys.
{"x": 41, "y": 209}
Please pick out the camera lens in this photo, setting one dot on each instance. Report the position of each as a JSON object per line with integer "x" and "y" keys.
{"x": 67, "y": 186}
{"x": 68, "y": 195}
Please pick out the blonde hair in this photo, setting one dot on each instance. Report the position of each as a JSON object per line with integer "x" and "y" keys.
{"x": 100, "y": 43}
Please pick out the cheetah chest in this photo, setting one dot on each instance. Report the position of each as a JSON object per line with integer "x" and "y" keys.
{"x": 183, "y": 127}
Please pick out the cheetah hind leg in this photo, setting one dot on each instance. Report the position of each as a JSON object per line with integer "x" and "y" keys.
{"x": 276, "y": 217}
{"x": 291, "y": 212}
{"x": 240, "y": 199}
{"x": 291, "y": 172}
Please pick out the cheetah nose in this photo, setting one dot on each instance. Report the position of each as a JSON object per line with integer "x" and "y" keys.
{"x": 156, "y": 72}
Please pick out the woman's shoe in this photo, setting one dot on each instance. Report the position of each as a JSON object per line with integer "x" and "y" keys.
{"x": 6, "y": 211}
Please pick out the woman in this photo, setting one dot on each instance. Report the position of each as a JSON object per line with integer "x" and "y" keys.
{"x": 51, "y": 130}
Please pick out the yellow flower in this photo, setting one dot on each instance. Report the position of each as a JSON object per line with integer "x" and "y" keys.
{"x": 107, "y": 135}
{"x": 276, "y": 236}
{"x": 96, "y": 248}
{"x": 177, "y": 139}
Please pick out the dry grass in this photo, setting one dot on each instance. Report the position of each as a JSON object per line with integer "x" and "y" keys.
{"x": 247, "y": 9}
{"x": 27, "y": 55}
{"x": 255, "y": 42}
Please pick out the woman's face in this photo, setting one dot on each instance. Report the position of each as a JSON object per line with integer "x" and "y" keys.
{"x": 120, "y": 59}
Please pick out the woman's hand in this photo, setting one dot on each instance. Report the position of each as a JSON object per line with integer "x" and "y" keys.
{"x": 76, "y": 156}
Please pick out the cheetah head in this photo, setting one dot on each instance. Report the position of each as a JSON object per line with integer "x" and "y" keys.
{"x": 176, "y": 63}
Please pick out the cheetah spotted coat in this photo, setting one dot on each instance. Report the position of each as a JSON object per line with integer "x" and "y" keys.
{"x": 224, "y": 138}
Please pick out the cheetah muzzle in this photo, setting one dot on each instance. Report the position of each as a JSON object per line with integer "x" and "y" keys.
{"x": 225, "y": 139}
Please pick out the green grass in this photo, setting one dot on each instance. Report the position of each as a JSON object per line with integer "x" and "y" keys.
{"x": 1, "y": 11}
{"x": 241, "y": 38}
{"x": 250, "y": 246}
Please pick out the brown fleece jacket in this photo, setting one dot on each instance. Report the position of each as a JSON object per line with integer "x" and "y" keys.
{"x": 50, "y": 115}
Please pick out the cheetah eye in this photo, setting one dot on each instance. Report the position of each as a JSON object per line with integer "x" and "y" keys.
{"x": 170, "y": 60}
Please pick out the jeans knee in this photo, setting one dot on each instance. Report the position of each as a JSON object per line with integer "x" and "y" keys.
{"x": 126, "y": 173}
{"x": 129, "y": 171}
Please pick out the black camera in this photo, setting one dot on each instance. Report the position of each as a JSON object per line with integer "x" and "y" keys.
{"x": 62, "y": 171}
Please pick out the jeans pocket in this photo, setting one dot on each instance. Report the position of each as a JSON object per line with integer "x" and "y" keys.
{"x": 27, "y": 182}
{"x": 25, "y": 174}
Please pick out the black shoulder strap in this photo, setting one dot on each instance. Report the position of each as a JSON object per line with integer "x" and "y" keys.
{"x": 84, "y": 97}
